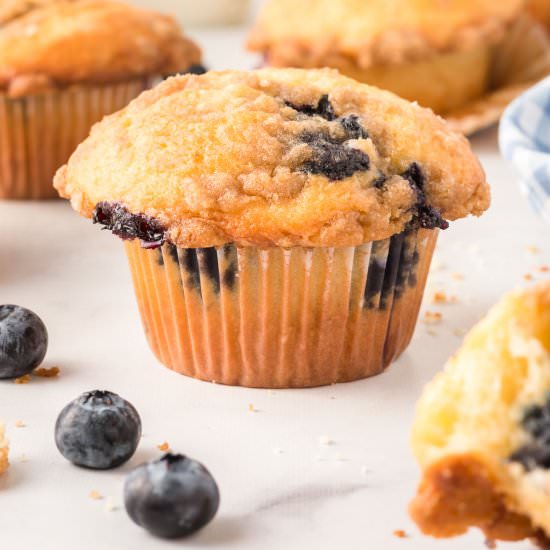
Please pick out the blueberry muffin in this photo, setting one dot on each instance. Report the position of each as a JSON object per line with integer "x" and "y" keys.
{"x": 437, "y": 53}
{"x": 540, "y": 9}
{"x": 3, "y": 450}
{"x": 64, "y": 64}
{"x": 482, "y": 430}
{"x": 279, "y": 223}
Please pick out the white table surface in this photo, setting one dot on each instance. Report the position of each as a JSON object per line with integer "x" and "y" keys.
{"x": 280, "y": 488}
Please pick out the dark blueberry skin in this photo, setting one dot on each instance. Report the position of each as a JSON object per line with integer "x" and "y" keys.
{"x": 425, "y": 216}
{"x": 23, "y": 341}
{"x": 171, "y": 497}
{"x": 98, "y": 430}
{"x": 197, "y": 69}
{"x": 116, "y": 218}
{"x": 536, "y": 453}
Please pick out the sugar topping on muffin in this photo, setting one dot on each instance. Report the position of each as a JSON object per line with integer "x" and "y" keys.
{"x": 359, "y": 33}
{"x": 55, "y": 43}
{"x": 272, "y": 157}
{"x": 482, "y": 429}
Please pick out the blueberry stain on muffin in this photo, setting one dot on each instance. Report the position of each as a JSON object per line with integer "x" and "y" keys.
{"x": 190, "y": 263}
{"x": 391, "y": 272}
{"x": 117, "y": 219}
{"x": 229, "y": 275}
{"x": 425, "y": 216}
{"x": 208, "y": 264}
{"x": 406, "y": 274}
{"x": 536, "y": 453}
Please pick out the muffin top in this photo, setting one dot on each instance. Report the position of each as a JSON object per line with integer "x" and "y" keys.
{"x": 340, "y": 33}
{"x": 283, "y": 157}
{"x": 54, "y": 43}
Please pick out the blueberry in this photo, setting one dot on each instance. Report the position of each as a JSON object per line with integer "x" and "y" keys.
{"x": 118, "y": 219}
{"x": 23, "y": 341}
{"x": 98, "y": 430}
{"x": 171, "y": 497}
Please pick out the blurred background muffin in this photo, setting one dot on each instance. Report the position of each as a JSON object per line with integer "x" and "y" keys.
{"x": 436, "y": 53}
{"x": 280, "y": 227}
{"x": 64, "y": 64}
{"x": 541, "y": 10}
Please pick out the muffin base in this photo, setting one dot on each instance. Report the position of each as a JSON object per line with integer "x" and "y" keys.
{"x": 281, "y": 318}
{"x": 443, "y": 83}
{"x": 39, "y": 133}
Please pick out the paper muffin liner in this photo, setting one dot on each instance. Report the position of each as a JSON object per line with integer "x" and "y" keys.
{"x": 519, "y": 61}
{"x": 278, "y": 318}
{"x": 39, "y": 133}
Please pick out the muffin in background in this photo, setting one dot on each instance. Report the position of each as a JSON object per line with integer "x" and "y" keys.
{"x": 540, "y": 9}
{"x": 4, "y": 448}
{"x": 482, "y": 428}
{"x": 64, "y": 64}
{"x": 436, "y": 53}
{"x": 287, "y": 219}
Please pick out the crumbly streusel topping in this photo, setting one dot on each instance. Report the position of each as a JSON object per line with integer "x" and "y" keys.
{"x": 272, "y": 157}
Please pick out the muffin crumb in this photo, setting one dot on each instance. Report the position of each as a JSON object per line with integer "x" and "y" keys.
{"x": 45, "y": 372}
{"x": 20, "y": 424}
{"x": 164, "y": 447}
{"x": 25, "y": 379}
{"x": 432, "y": 317}
{"x": 440, "y": 297}
{"x": 400, "y": 534}
{"x": 95, "y": 495}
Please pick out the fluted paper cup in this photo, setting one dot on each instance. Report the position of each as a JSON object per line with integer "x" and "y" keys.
{"x": 38, "y": 133}
{"x": 279, "y": 318}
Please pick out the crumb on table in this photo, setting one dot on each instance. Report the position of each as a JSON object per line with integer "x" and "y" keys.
{"x": 25, "y": 379}
{"x": 400, "y": 534}
{"x": 95, "y": 495}
{"x": 44, "y": 372}
{"x": 20, "y": 424}
{"x": 432, "y": 317}
{"x": 164, "y": 447}
{"x": 440, "y": 297}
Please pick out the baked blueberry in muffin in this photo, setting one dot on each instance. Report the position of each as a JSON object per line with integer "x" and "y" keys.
{"x": 482, "y": 429}
{"x": 292, "y": 214}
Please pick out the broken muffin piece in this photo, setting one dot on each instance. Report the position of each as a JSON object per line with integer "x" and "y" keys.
{"x": 482, "y": 428}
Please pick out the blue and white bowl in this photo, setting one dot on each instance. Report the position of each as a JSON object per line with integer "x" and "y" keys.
{"x": 525, "y": 140}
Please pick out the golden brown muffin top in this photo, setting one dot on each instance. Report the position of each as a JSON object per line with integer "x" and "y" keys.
{"x": 340, "y": 33}
{"x": 53, "y": 43}
{"x": 283, "y": 157}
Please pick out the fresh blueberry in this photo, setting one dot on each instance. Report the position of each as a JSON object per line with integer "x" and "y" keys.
{"x": 171, "y": 497}
{"x": 98, "y": 430}
{"x": 23, "y": 341}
